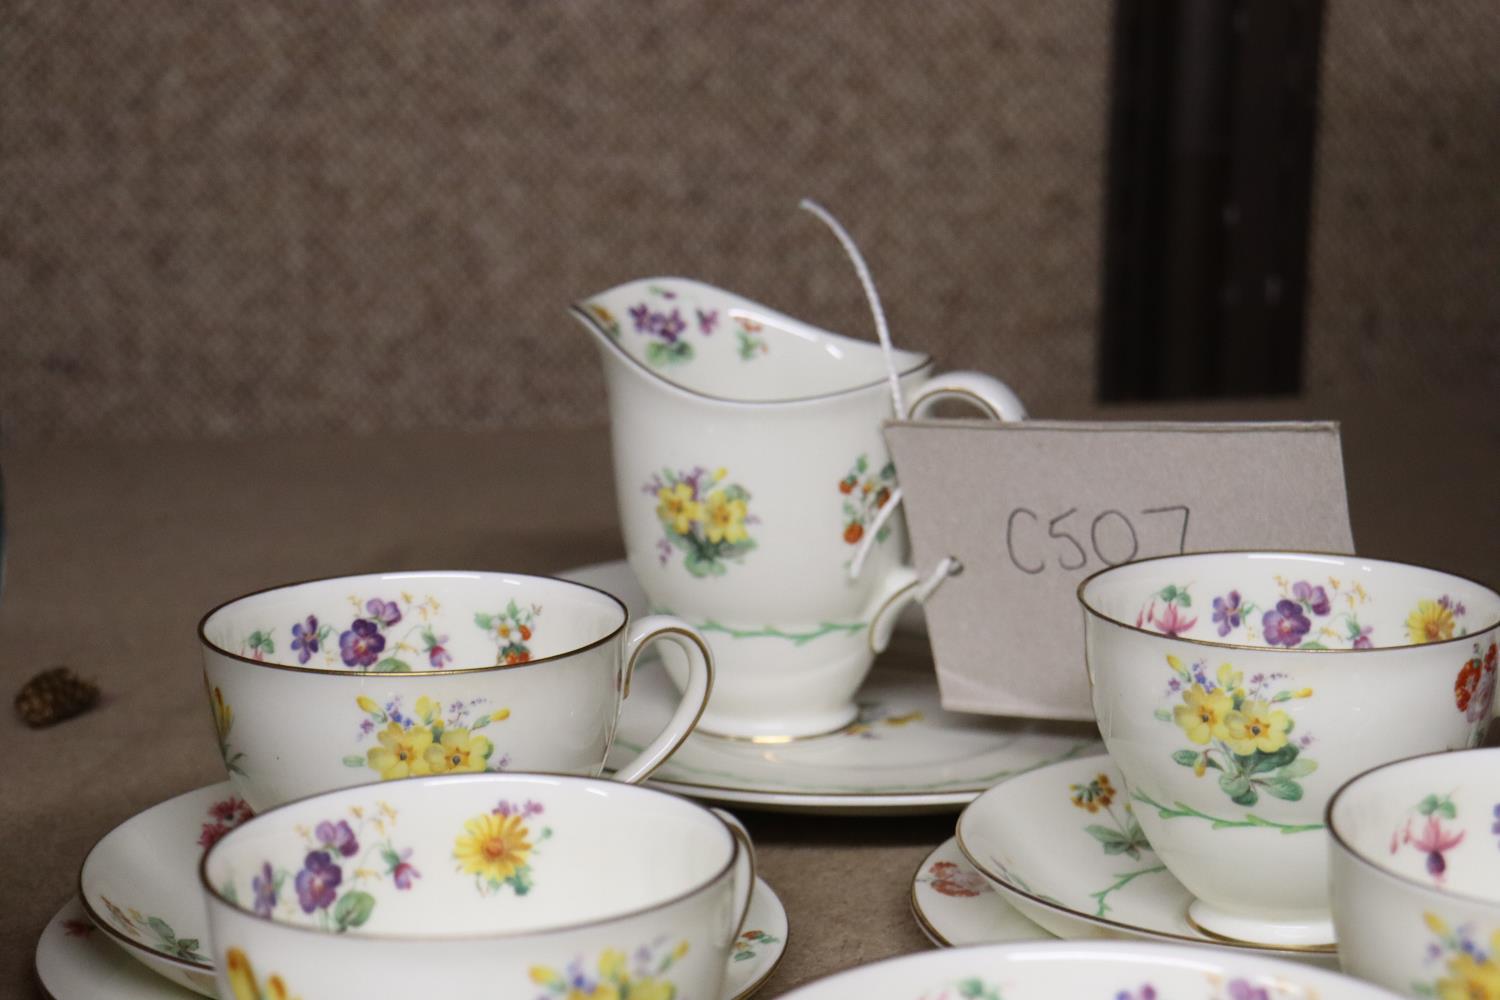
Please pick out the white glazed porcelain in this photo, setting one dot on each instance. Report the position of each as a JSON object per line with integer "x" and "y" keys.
{"x": 1415, "y": 869}
{"x": 955, "y": 905}
{"x": 1062, "y": 844}
{"x": 1085, "y": 970}
{"x": 750, "y": 470}
{"x": 479, "y": 885}
{"x": 76, "y": 961}
{"x": 352, "y": 680}
{"x": 1235, "y": 691}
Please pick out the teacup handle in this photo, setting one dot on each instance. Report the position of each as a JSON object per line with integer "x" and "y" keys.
{"x": 744, "y": 870}
{"x": 986, "y": 393}
{"x": 700, "y": 683}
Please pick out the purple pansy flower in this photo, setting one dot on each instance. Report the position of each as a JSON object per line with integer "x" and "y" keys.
{"x": 1146, "y": 992}
{"x": 1285, "y": 624}
{"x": 1316, "y": 598}
{"x": 1243, "y": 989}
{"x": 1362, "y": 641}
{"x": 707, "y": 321}
{"x": 385, "y": 612}
{"x": 264, "y": 885}
{"x": 361, "y": 645}
{"x": 318, "y": 882}
{"x": 437, "y": 653}
{"x": 305, "y": 638}
{"x": 336, "y": 837}
{"x": 1496, "y": 828}
{"x": 1227, "y": 612}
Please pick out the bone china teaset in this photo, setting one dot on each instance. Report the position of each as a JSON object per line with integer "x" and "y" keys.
{"x": 1277, "y": 728}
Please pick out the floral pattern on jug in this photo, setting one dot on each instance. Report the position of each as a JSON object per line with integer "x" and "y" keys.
{"x": 343, "y": 860}
{"x": 153, "y": 931}
{"x": 243, "y": 984}
{"x": 430, "y": 739}
{"x": 865, "y": 492}
{"x": 1467, "y": 964}
{"x": 1241, "y": 732}
{"x": 703, "y": 515}
{"x": 497, "y": 847}
{"x": 1474, "y": 687}
{"x": 1301, "y": 615}
{"x": 641, "y": 976}
{"x": 513, "y": 628}
{"x": 662, "y": 322}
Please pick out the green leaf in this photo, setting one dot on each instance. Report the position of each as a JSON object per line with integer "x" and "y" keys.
{"x": 1248, "y": 798}
{"x": 1284, "y": 788}
{"x": 1299, "y": 768}
{"x": 702, "y": 566}
{"x": 1260, "y": 762}
{"x": 162, "y": 928}
{"x": 1163, "y": 715}
{"x": 1187, "y": 758}
{"x": 861, "y": 464}
{"x": 1168, "y": 593}
{"x": 354, "y": 760}
{"x": 1184, "y": 598}
{"x": 1447, "y": 809}
{"x": 353, "y": 910}
{"x": 1312, "y": 645}
{"x": 484, "y": 621}
{"x": 1428, "y": 806}
{"x": 391, "y": 665}
{"x": 1235, "y": 785}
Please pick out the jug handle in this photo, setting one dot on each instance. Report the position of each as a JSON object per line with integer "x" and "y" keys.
{"x": 985, "y": 393}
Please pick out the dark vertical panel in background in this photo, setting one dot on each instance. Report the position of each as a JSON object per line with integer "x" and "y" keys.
{"x": 1212, "y": 121}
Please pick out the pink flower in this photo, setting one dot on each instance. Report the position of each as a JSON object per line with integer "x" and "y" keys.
{"x": 1435, "y": 840}
{"x": 1172, "y": 622}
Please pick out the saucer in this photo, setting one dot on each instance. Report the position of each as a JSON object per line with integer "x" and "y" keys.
{"x": 1063, "y": 846}
{"x": 904, "y": 754}
{"x": 1125, "y": 970}
{"x": 956, "y": 906}
{"x": 139, "y": 887}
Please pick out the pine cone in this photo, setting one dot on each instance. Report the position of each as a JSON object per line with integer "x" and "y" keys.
{"x": 54, "y": 695}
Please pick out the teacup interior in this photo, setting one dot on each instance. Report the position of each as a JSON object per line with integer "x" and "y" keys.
{"x": 487, "y": 854}
{"x": 1434, "y": 820}
{"x": 707, "y": 341}
{"x": 401, "y": 622}
{"x": 1293, "y": 601}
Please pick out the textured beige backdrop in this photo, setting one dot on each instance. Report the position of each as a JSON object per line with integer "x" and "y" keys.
{"x": 228, "y": 219}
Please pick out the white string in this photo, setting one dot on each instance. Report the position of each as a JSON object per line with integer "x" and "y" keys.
{"x": 946, "y": 567}
{"x": 858, "y": 260}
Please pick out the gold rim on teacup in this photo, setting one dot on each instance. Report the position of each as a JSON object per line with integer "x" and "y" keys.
{"x": 495, "y": 778}
{"x": 469, "y": 574}
{"x": 1311, "y": 554}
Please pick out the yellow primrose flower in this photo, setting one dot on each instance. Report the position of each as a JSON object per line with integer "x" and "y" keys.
{"x": 1435, "y": 923}
{"x": 495, "y": 847}
{"x": 542, "y": 975}
{"x": 649, "y": 989}
{"x": 678, "y": 508}
{"x": 1175, "y": 663}
{"x": 401, "y": 752}
{"x": 459, "y": 750}
{"x": 682, "y": 949}
{"x": 1256, "y": 727}
{"x": 241, "y": 976}
{"x": 612, "y": 964}
{"x": 1431, "y": 622}
{"x": 726, "y": 519}
{"x": 366, "y": 703}
{"x": 1470, "y": 980}
{"x": 426, "y": 709}
{"x": 1229, "y": 678}
{"x": 1201, "y": 715}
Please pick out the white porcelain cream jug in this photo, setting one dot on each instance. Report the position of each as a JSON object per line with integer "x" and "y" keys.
{"x": 750, "y": 472}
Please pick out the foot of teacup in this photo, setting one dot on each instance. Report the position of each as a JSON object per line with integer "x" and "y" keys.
{"x": 1313, "y": 934}
{"x": 784, "y": 728}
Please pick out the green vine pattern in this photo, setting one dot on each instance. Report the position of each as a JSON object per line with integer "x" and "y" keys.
{"x": 772, "y": 632}
{"x": 1180, "y": 811}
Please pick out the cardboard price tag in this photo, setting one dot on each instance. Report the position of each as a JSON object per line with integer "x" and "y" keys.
{"x": 1032, "y": 507}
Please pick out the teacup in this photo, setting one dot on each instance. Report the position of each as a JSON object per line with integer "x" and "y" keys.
{"x": 352, "y": 680}
{"x": 756, "y": 493}
{"x": 1236, "y": 690}
{"x": 1414, "y": 861}
{"x": 482, "y": 885}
